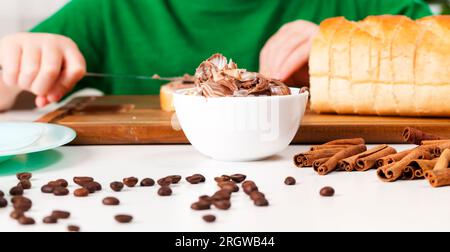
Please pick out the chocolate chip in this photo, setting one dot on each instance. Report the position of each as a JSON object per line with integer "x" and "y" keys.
{"x": 60, "y": 191}
{"x": 131, "y": 181}
{"x": 50, "y": 220}
{"x": 16, "y": 214}
{"x": 290, "y": 181}
{"x": 3, "y": 202}
{"x": 81, "y": 192}
{"x": 147, "y": 182}
{"x": 238, "y": 178}
{"x": 47, "y": 189}
{"x": 60, "y": 214}
{"x": 209, "y": 218}
{"x": 24, "y": 175}
{"x": 201, "y": 205}
{"x": 327, "y": 191}
{"x": 164, "y": 191}
{"x": 73, "y": 228}
{"x": 21, "y": 203}
{"x": 166, "y": 181}
{"x": 23, "y": 220}
{"x": 16, "y": 191}
{"x": 25, "y": 184}
{"x": 82, "y": 180}
{"x": 175, "y": 178}
{"x": 222, "y": 204}
{"x": 111, "y": 201}
{"x": 261, "y": 202}
{"x": 116, "y": 186}
{"x": 123, "y": 218}
{"x": 256, "y": 195}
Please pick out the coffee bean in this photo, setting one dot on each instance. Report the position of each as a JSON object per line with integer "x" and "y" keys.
{"x": 290, "y": 181}
{"x": 111, "y": 201}
{"x": 23, "y": 220}
{"x": 91, "y": 187}
{"x": 222, "y": 204}
{"x": 2, "y": 194}
{"x": 205, "y": 198}
{"x": 25, "y": 184}
{"x": 327, "y": 191}
{"x": 228, "y": 185}
{"x": 16, "y": 191}
{"x": 175, "y": 178}
{"x": 50, "y": 220}
{"x": 238, "y": 178}
{"x": 24, "y": 175}
{"x": 123, "y": 218}
{"x": 164, "y": 191}
{"x": 3, "y": 202}
{"x": 194, "y": 179}
{"x": 81, "y": 192}
{"x": 116, "y": 186}
{"x": 201, "y": 205}
{"x": 221, "y": 195}
{"x": 166, "y": 181}
{"x": 202, "y": 178}
{"x": 82, "y": 180}
{"x": 261, "y": 202}
{"x": 58, "y": 214}
{"x": 209, "y": 218}
{"x": 256, "y": 195}
{"x": 147, "y": 182}
{"x": 16, "y": 214}
{"x": 223, "y": 178}
{"x": 21, "y": 203}
{"x": 249, "y": 186}
{"x": 62, "y": 182}
{"x": 47, "y": 189}
{"x": 60, "y": 191}
{"x": 73, "y": 228}
{"x": 130, "y": 182}
{"x": 53, "y": 184}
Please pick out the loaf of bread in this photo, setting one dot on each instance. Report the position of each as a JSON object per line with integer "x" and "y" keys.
{"x": 383, "y": 65}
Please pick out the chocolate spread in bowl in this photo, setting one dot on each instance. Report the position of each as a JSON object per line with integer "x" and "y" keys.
{"x": 218, "y": 77}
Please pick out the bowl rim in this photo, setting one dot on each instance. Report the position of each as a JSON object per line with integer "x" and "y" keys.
{"x": 294, "y": 93}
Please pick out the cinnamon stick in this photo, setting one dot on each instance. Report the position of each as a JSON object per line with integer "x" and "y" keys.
{"x": 408, "y": 173}
{"x": 428, "y": 142}
{"x": 439, "y": 178}
{"x": 394, "y": 171}
{"x": 443, "y": 161}
{"x": 383, "y": 161}
{"x": 306, "y": 159}
{"x": 417, "y": 167}
{"x": 439, "y": 148}
{"x": 366, "y": 160}
{"x": 319, "y": 162}
{"x": 350, "y": 141}
{"x": 418, "y": 174}
{"x": 331, "y": 164}
{"x": 338, "y": 146}
{"x": 416, "y": 136}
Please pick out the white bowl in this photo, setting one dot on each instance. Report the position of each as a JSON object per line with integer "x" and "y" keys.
{"x": 240, "y": 128}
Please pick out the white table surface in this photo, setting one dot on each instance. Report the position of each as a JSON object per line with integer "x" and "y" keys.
{"x": 362, "y": 202}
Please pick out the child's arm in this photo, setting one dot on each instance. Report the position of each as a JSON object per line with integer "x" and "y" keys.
{"x": 45, "y": 64}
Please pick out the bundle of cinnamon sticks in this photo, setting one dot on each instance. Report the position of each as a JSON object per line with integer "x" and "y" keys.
{"x": 430, "y": 159}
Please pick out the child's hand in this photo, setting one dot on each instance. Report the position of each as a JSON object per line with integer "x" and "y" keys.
{"x": 288, "y": 50}
{"x": 45, "y": 64}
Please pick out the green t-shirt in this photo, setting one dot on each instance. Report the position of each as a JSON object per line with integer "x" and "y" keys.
{"x": 171, "y": 37}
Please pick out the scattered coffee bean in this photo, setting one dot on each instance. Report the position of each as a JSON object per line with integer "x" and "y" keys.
{"x": 3, "y": 202}
{"x": 23, "y": 220}
{"x": 62, "y": 182}
{"x": 130, "y": 182}
{"x": 81, "y": 192}
{"x": 195, "y": 179}
{"x": 25, "y": 184}
{"x": 327, "y": 191}
{"x": 256, "y": 195}
{"x": 221, "y": 195}
{"x": 111, "y": 201}
{"x": 16, "y": 214}
{"x": 164, "y": 191}
{"x": 73, "y": 228}
{"x": 166, "y": 181}
{"x": 58, "y": 214}
{"x": 16, "y": 191}
{"x": 123, "y": 218}
{"x": 228, "y": 185}
{"x": 91, "y": 187}
{"x": 82, "y": 180}
{"x": 202, "y": 178}
{"x": 116, "y": 186}
{"x": 147, "y": 182}
{"x": 222, "y": 204}
{"x": 261, "y": 202}
{"x": 60, "y": 191}
{"x": 205, "y": 198}
{"x": 2, "y": 194}
{"x": 24, "y": 175}
{"x": 47, "y": 189}
{"x": 290, "y": 181}
{"x": 201, "y": 205}
{"x": 238, "y": 178}
{"x": 98, "y": 186}
{"x": 175, "y": 178}
{"x": 223, "y": 178}
{"x": 249, "y": 186}
{"x": 209, "y": 218}
{"x": 50, "y": 220}
{"x": 21, "y": 203}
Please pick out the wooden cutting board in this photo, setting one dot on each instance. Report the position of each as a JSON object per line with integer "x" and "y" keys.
{"x": 139, "y": 120}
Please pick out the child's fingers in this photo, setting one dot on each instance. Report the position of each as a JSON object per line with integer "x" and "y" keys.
{"x": 50, "y": 70}
{"x": 29, "y": 65}
{"x": 10, "y": 57}
{"x": 294, "y": 61}
{"x": 41, "y": 101}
